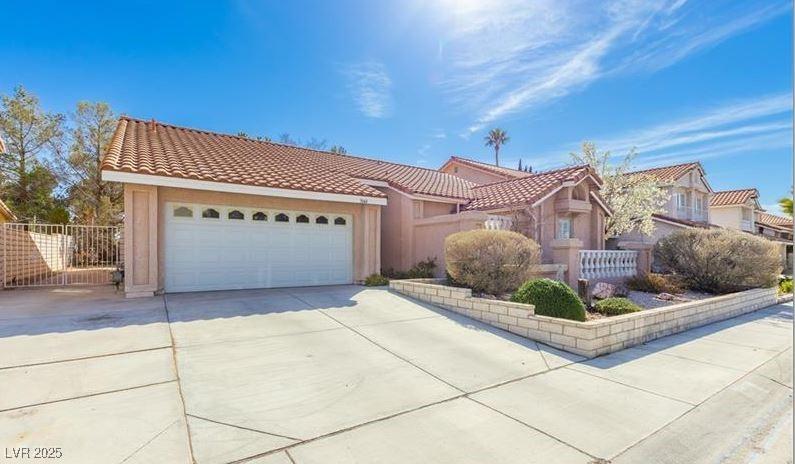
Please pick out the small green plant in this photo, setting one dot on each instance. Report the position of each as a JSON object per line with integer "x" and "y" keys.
{"x": 551, "y": 298}
{"x": 655, "y": 283}
{"x": 375, "y": 280}
{"x": 615, "y": 306}
{"x": 785, "y": 285}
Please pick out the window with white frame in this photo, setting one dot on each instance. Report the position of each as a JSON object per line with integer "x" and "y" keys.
{"x": 681, "y": 200}
{"x": 564, "y": 228}
{"x": 699, "y": 204}
{"x": 747, "y": 215}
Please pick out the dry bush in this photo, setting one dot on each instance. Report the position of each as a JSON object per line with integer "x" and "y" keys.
{"x": 490, "y": 261}
{"x": 656, "y": 283}
{"x": 719, "y": 260}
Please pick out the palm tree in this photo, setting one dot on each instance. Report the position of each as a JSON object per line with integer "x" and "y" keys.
{"x": 496, "y": 138}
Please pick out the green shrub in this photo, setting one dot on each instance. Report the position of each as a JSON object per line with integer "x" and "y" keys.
{"x": 719, "y": 260}
{"x": 490, "y": 261}
{"x": 785, "y": 285}
{"x": 551, "y": 298}
{"x": 656, "y": 283}
{"x": 616, "y": 306}
{"x": 376, "y": 280}
{"x": 422, "y": 270}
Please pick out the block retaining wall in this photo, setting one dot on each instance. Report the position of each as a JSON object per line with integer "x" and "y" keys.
{"x": 591, "y": 338}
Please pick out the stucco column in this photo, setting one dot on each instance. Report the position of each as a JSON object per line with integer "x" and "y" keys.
{"x": 367, "y": 243}
{"x": 140, "y": 240}
{"x": 644, "y": 254}
{"x": 567, "y": 251}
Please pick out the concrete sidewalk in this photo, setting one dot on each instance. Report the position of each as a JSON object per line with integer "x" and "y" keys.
{"x": 353, "y": 375}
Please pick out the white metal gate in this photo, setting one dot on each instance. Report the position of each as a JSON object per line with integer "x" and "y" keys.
{"x": 36, "y": 255}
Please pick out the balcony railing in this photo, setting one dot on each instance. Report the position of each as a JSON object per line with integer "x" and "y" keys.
{"x": 498, "y": 223}
{"x": 691, "y": 214}
{"x": 607, "y": 264}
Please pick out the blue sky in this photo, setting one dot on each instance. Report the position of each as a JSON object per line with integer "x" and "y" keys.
{"x": 417, "y": 81}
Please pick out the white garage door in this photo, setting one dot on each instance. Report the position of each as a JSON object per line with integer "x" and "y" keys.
{"x": 219, "y": 247}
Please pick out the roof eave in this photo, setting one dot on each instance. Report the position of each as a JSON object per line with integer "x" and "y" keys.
{"x": 178, "y": 182}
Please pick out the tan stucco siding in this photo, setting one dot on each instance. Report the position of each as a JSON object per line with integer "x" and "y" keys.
{"x": 145, "y": 210}
{"x": 729, "y": 217}
{"x": 430, "y": 234}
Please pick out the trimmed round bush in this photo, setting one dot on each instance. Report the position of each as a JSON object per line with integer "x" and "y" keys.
{"x": 375, "y": 280}
{"x": 551, "y": 298}
{"x": 616, "y": 306}
{"x": 490, "y": 261}
{"x": 719, "y": 260}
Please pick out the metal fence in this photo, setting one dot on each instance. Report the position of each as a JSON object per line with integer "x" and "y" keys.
{"x": 35, "y": 255}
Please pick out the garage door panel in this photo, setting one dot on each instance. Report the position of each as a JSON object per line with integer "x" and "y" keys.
{"x": 214, "y": 254}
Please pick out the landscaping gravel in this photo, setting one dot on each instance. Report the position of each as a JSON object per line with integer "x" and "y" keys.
{"x": 650, "y": 300}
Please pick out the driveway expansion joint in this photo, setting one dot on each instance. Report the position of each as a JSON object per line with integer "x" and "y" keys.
{"x": 243, "y": 428}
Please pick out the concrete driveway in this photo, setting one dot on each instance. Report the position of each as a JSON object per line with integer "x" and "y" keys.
{"x": 348, "y": 374}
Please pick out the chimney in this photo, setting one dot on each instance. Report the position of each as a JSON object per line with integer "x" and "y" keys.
{"x": 153, "y": 125}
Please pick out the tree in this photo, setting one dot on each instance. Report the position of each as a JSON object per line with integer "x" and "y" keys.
{"x": 91, "y": 200}
{"x": 632, "y": 198}
{"x": 785, "y": 203}
{"x": 26, "y": 183}
{"x": 338, "y": 149}
{"x": 316, "y": 144}
{"x": 524, "y": 168}
{"x": 496, "y": 138}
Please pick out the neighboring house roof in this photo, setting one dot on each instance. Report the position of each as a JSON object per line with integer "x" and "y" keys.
{"x": 773, "y": 220}
{"x": 527, "y": 189}
{"x": 683, "y": 222}
{"x": 6, "y": 212}
{"x": 154, "y": 148}
{"x": 733, "y": 197}
{"x": 668, "y": 173}
{"x": 508, "y": 173}
{"x": 2, "y": 145}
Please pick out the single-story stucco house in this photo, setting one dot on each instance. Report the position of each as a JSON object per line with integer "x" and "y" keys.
{"x": 208, "y": 211}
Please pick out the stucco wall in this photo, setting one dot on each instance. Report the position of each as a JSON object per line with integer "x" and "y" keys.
{"x": 430, "y": 233}
{"x": 471, "y": 174}
{"x": 145, "y": 225}
{"x": 661, "y": 229}
{"x": 729, "y": 217}
{"x": 396, "y": 231}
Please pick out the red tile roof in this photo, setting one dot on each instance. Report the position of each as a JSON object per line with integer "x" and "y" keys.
{"x": 153, "y": 148}
{"x": 668, "y": 173}
{"x": 508, "y": 173}
{"x": 733, "y": 197}
{"x": 773, "y": 220}
{"x": 684, "y": 222}
{"x": 149, "y": 147}
{"x": 527, "y": 189}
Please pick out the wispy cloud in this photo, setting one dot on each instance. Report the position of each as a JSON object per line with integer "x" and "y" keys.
{"x": 745, "y": 126}
{"x": 507, "y": 56}
{"x": 370, "y": 87}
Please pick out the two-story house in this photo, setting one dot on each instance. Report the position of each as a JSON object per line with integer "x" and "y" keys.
{"x": 734, "y": 209}
{"x": 688, "y": 202}
{"x": 740, "y": 210}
